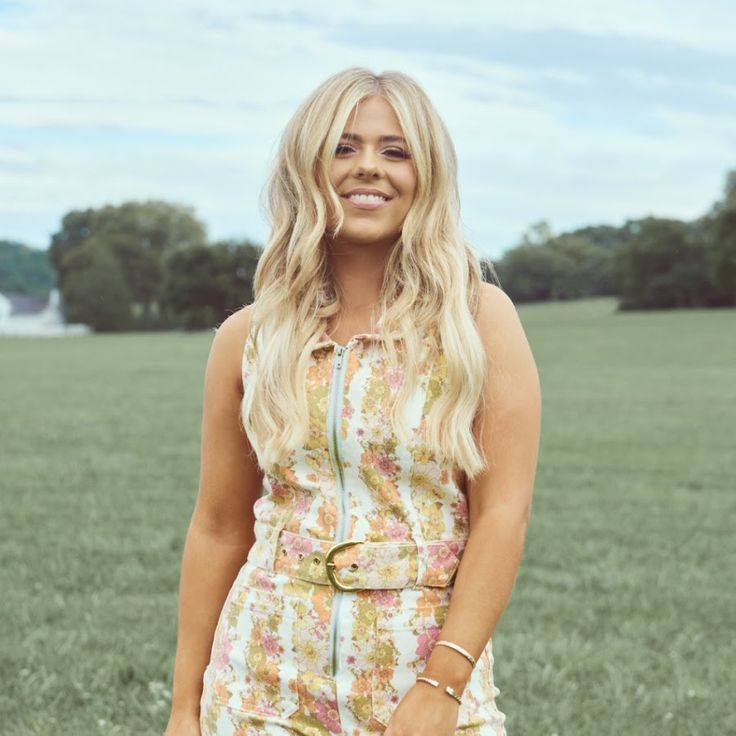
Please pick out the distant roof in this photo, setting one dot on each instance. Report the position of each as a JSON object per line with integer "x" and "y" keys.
{"x": 24, "y": 304}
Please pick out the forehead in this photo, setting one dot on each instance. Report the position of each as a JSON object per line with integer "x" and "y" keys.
{"x": 372, "y": 113}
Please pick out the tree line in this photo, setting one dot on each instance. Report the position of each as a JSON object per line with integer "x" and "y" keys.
{"x": 648, "y": 263}
{"x": 149, "y": 265}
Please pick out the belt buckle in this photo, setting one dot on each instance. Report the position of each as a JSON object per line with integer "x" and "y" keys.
{"x": 330, "y": 565}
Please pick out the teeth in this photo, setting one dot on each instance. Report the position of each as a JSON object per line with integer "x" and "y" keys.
{"x": 367, "y": 198}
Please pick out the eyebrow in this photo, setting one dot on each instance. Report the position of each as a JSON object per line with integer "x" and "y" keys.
{"x": 382, "y": 139}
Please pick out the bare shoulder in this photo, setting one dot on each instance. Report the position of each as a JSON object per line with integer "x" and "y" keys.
{"x": 496, "y": 317}
{"x": 494, "y": 304}
{"x": 226, "y": 352}
{"x": 237, "y": 322}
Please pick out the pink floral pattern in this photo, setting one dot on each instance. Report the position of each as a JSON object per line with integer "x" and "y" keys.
{"x": 270, "y": 669}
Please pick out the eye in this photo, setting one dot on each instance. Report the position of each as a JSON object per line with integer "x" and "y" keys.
{"x": 393, "y": 152}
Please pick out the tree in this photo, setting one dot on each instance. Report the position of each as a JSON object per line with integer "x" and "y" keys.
{"x": 719, "y": 225}
{"x": 566, "y": 266}
{"x": 140, "y": 235}
{"x": 583, "y": 269}
{"x": 527, "y": 272}
{"x": 25, "y": 270}
{"x": 538, "y": 233}
{"x": 663, "y": 266}
{"x": 723, "y": 254}
{"x": 76, "y": 227}
{"x": 206, "y": 283}
{"x": 95, "y": 292}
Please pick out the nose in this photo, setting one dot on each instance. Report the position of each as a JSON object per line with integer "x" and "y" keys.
{"x": 367, "y": 163}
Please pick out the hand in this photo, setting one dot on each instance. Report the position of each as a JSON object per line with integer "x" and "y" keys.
{"x": 183, "y": 724}
{"x": 424, "y": 710}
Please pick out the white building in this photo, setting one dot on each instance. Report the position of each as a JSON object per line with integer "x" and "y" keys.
{"x": 21, "y": 314}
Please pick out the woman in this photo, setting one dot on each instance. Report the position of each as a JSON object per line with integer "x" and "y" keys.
{"x": 366, "y": 527}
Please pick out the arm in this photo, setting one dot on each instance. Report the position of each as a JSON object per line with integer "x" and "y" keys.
{"x": 220, "y": 532}
{"x": 500, "y": 497}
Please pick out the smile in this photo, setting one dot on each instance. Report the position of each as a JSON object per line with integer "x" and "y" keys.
{"x": 367, "y": 201}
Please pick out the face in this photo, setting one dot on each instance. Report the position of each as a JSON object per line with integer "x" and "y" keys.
{"x": 373, "y": 155}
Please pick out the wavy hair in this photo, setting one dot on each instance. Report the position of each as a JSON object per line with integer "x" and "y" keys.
{"x": 431, "y": 282}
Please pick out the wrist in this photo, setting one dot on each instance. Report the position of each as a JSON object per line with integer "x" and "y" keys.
{"x": 449, "y": 668}
{"x": 184, "y": 710}
{"x": 179, "y": 720}
{"x": 441, "y": 688}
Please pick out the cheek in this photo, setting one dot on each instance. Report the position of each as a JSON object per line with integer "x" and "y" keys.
{"x": 334, "y": 174}
{"x": 338, "y": 170}
{"x": 409, "y": 183}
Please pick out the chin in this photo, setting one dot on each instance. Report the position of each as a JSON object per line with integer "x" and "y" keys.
{"x": 368, "y": 238}
{"x": 364, "y": 231}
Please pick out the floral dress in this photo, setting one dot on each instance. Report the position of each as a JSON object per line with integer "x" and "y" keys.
{"x": 293, "y": 651}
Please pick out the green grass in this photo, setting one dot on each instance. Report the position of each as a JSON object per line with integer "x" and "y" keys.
{"x": 621, "y": 621}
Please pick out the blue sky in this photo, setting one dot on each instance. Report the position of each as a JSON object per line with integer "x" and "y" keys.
{"x": 575, "y": 112}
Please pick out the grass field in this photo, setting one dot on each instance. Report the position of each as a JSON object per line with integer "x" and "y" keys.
{"x": 622, "y": 619}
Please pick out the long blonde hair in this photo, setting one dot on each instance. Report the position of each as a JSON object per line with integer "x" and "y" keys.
{"x": 431, "y": 282}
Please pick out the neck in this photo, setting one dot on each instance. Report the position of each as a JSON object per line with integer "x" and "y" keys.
{"x": 358, "y": 274}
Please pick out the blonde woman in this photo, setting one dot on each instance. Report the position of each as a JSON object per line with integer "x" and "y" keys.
{"x": 369, "y": 447}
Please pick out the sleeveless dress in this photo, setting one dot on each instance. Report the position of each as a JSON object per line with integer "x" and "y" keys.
{"x": 294, "y": 653}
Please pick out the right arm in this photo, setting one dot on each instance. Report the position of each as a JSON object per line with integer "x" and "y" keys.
{"x": 220, "y": 532}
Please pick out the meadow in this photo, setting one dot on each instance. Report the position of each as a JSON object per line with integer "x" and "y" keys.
{"x": 621, "y": 620}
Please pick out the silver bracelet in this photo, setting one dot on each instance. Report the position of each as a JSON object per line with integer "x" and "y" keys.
{"x": 458, "y": 649}
{"x": 435, "y": 683}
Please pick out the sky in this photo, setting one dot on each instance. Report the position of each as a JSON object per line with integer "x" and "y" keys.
{"x": 574, "y": 112}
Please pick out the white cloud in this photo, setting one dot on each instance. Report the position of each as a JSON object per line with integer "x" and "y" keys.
{"x": 186, "y": 101}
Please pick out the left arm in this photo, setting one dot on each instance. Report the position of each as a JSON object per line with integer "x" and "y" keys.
{"x": 500, "y": 497}
{"x": 500, "y": 500}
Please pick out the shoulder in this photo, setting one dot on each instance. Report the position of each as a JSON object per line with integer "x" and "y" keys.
{"x": 502, "y": 332}
{"x": 236, "y": 325}
{"x": 492, "y": 298}
{"x": 226, "y": 352}
{"x": 495, "y": 311}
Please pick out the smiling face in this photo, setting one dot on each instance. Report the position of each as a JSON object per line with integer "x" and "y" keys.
{"x": 372, "y": 155}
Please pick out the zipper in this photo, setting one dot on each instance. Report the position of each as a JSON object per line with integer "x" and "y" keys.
{"x": 333, "y": 433}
